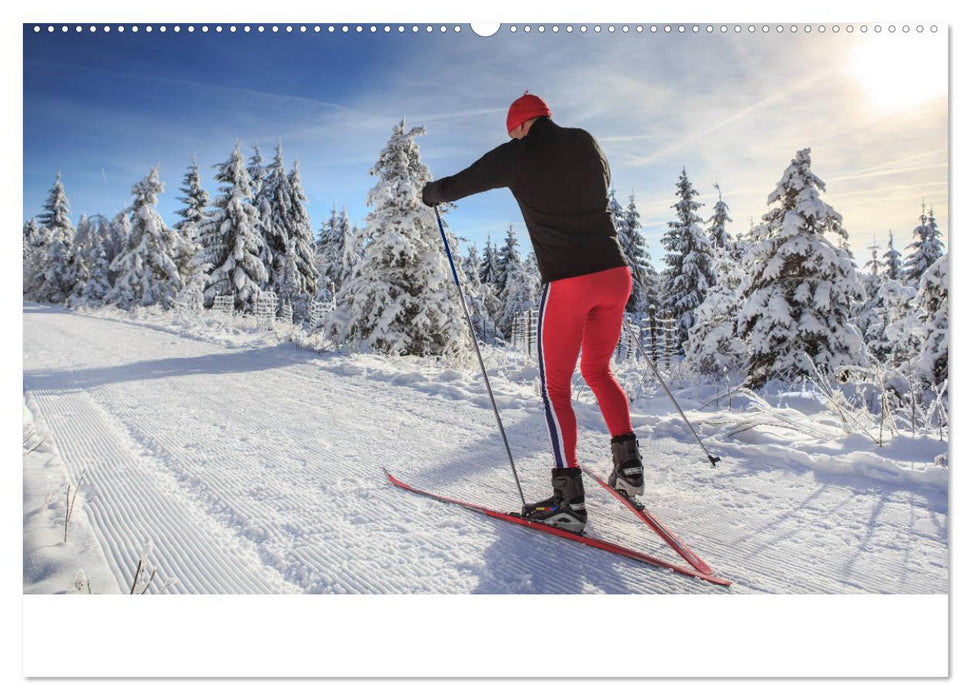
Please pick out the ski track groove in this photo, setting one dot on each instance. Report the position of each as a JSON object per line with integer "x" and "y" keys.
{"x": 242, "y": 495}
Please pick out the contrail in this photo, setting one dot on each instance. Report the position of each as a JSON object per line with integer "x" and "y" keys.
{"x": 876, "y": 172}
{"x": 735, "y": 117}
{"x": 899, "y": 161}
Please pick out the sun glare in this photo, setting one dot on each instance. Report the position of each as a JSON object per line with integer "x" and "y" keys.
{"x": 898, "y": 72}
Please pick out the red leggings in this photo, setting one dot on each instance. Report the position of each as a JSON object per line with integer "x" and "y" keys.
{"x": 581, "y": 313}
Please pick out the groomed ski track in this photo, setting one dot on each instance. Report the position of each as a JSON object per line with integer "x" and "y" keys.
{"x": 259, "y": 470}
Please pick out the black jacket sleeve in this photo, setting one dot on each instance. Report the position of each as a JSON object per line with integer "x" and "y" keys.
{"x": 497, "y": 168}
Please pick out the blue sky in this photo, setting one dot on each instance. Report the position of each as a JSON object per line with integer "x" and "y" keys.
{"x": 103, "y": 108}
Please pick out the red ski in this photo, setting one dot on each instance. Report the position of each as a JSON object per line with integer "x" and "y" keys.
{"x": 638, "y": 509}
{"x": 565, "y": 534}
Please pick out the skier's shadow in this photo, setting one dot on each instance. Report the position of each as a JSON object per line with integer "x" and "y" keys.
{"x": 70, "y": 380}
{"x": 519, "y": 560}
{"x": 522, "y": 561}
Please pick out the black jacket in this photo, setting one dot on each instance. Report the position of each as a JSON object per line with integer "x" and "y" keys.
{"x": 560, "y": 179}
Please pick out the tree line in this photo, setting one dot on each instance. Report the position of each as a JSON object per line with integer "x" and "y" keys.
{"x": 783, "y": 300}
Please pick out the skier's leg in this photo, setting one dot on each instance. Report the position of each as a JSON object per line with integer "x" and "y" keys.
{"x": 559, "y": 333}
{"x": 558, "y": 337}
{"x": 600, "y": 336}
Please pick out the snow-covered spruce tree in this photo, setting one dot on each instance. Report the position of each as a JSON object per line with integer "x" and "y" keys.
{"x": 489, "y": 270}
{"x": 263, "y": 185}
{"x": 479, "y": 296}
{"x": 116, "y": 238}
{"x": 56, "y": 219}
{"x": 98, "y": 286}
{"x": 519, "y": 295}
{"x": 932, "y": 315}
{"x": 892, "y": 331}
{"x": 231, "y": 240}
{"x": 688, "y": 259}
{"x": 277, "y": 224}
{"x": 355, "y": 246}
{"x": 892, "y": 261}
{"x": 398, "y": 298}
{"x": 869, "y": 317}
{"x": 191, "y": 217}
{"x": 615, "y": 208}
{"x": 79, "y": 261}
{"x": 925, "y": 249}
{"x": 509, "y": 257}
{"x": 36, "y": 240}
{"x": 714, "y": 346}
{"x": 193, "y": 265}
{"x": 330, "y": 250}
{"x": 644, "y": 289}
{"x": 30, "y": 235}
{"x": 300, "y": 268}
{"x": 888, "y": 320}
{"x": 146, "y": 271}
{"x": 532, "y": 269}
{"x": 718, "y": 234}
{"x": 800, "y": 294}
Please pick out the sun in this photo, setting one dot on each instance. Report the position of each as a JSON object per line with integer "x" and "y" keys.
{"x": 901, "y": 72}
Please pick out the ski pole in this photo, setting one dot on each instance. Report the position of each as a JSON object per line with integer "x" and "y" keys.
{"x": 637, "y": 338}
{"x": 475, "y": 342}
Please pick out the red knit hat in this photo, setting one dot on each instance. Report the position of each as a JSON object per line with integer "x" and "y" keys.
{"x": 524, "y": 109}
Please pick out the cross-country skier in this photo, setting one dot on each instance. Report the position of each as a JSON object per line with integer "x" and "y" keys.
{"x": 560, "y": 178}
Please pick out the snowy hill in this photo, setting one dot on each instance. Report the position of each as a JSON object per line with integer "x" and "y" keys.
{"x": 249, "y": 466}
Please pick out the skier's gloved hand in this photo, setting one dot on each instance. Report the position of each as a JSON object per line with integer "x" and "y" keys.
{"x": 431, "y": 194}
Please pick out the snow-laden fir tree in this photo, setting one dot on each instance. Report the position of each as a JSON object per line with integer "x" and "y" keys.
{"x": 689, "y": 273}
{"x": 521, "y": 293}
{"x": 188, "y": 225}
{"x": 615, "y": 208}
{"x": 489, "y": 270}
{"x": 399, "y": 297}
{"x": 801, "y": 289}
{"x": 331, "y": 242}
{"x": 36, "y": 240}
{"x": 57, "y": 281}
{"x": 925, "y": 249}
{"x": 299, "y": 285}
{"x": 532, "y": 268}
{"x": 932, "y": 315}
{"x": 509, "y": 257}
{"x": 488, "y": 273}
{"x": 718, "y": 233}
{"x": 627, "y": 222}
{"x": 278, "y": 224}
{"x": 116, "y": 235}
{"x": 98, "y": 285}
{"x": 30, "y": 235}
{"x": 79, "y": 261}
{"x": 479, "y": 296}
{"x": 194, "y": 197}
{"x": 892, "y": 261}
{"x": 146, "y": 271}
{"x": 869, "y": 318}
{"x": 263, "y": 186}
{"x": 231, "y": 240}
{"x": 714, "y": 346}
{"x": 892, "y": 331}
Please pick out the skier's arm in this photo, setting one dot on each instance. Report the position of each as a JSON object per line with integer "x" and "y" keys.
{"x": 497, "y": 168}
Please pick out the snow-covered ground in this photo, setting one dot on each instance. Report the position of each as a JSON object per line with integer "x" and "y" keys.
{"x": 231, "y": 463}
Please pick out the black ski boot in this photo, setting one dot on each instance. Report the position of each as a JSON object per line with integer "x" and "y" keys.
{"x": 628, "y": 473}
{"x": 566, "y": 508}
